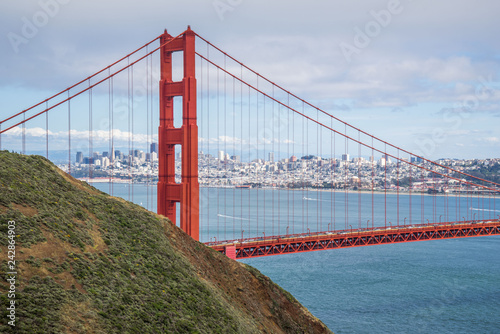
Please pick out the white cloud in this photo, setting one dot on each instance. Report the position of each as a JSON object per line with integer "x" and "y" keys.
{"x": 491, "y": 140}
{"x": 98, "y": 136}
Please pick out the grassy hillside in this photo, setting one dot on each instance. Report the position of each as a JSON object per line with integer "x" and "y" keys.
{"x": 91, "y": 263}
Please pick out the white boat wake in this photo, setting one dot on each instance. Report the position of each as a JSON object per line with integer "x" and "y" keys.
{"x": 314, "y": 199}
{"x": 231, "y": 217}
{"x": 477, "y": 209}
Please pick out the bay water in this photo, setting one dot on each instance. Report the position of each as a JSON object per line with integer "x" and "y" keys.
{"x": 440, "y": 286}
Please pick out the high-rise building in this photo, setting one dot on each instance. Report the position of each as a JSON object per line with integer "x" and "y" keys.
{"x": 79, "y": 157}
{"x": 345, "y": 157}
{"x": 153, "y": 148}
{"x": 271, "y": 156}
{"x": 105, "y": 162}
{"x": 221, "y": 155}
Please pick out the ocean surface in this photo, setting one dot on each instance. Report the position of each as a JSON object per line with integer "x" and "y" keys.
{"x": 442, "y": 286}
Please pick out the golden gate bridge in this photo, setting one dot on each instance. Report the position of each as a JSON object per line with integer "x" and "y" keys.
{"x": 200, "y": 104}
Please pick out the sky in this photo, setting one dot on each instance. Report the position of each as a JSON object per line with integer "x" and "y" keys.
{"x": 417, "y": 73}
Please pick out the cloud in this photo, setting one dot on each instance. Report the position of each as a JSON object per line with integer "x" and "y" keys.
{"x": 430, "y": 57}
{"x": 99, "y": 137}
{"x": 490, "y": 140}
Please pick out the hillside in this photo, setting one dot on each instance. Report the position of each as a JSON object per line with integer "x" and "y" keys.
{"x": 87, "y": 262}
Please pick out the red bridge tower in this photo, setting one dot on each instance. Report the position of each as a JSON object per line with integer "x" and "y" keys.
{"x": 186, "y": 192}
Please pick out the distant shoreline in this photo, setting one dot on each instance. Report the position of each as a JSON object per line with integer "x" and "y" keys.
{"x": 349, "y": 191}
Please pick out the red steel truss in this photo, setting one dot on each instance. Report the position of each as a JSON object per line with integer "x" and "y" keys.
{"x": 248, "y": 248}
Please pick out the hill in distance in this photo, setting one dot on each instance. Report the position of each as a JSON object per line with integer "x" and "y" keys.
{"x": 87, "y": 262}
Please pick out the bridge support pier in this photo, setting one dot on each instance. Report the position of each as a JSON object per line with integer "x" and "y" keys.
{"x": 186, "y": 192}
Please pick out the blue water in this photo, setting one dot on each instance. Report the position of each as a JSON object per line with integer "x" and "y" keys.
{"x": 443, "y": 286}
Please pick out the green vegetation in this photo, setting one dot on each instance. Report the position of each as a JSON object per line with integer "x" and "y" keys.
{"x": 489, "y": 173}
{"x": 91, "y": 263}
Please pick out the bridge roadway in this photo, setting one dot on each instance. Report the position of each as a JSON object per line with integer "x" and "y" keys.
{"x": 315, "y": 241}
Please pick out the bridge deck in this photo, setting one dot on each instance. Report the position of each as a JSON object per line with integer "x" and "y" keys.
{"x": 286, "y": 244}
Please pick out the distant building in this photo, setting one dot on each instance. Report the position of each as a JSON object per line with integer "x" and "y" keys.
{"x": 79, "y": 157}
{"x": 88, "y": 161}
{"x": 221, "y": 155}
{"x": 153, "y": 148}
{"x": 105, "y": 162}
{"x": 142, "y": 156}
{"x": 271, "y": 156}
{"x": 345, "y": 157}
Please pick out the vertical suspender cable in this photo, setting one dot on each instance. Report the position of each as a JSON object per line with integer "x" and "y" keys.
{"x": 264, "y": 159}
{"x": 218, "y": 158}
{"x": 272, "y": 144}
{"x": 69, "y": 134}
{"x": 24, "y": 135}
{"x": 331, "y": 166}
{"x": 359, "y": 180}
{"x": 249, "y": 152}
{"x": 422, "y": 198}
{"x": 334, "y": 181}
{"x": 201, "y": 148}
{"x": 290, "y": 166}
{"x": 148, "y": 137}
{"x": 410, "y": 187}
{"x": 130, "y": 154}
{"x": 235, "y": 160}
{"x": 303, "y": 186}
{"x": 397, "y": 186}
{"x": 346, "y": 181}
{"x": 110, "y": 146}
{"x": 257, "y": 150}
{"x": 47, "y": 130}
{"x": 372, "y": 160}
{"x": 132, "y": 129}
{"x": 91, "y": 156}
{"x": 225, "y": 153}
{"x": 241, "y": 144}
{"x": 385, "y": 184}
{"x": 318, "y": 195}
{"x": 112, "y": 136}
{"x": 209, "y": 171}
